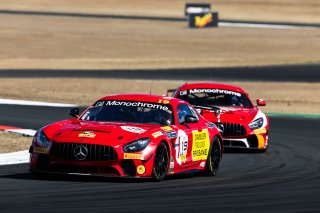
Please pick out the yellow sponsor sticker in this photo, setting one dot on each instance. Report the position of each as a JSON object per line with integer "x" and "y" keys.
{"x": 157, "y": 134}
{"x": 87, "y": 134}
{"x": 200, "y": 145}
{"x": 141, "y": 169}
{"x": 133, "y": 156}
{"x": 40, "y": 150}
{"x": 260, "y": 131}
{"x": 203, "y": 21}
{"x": 166, "y": 128}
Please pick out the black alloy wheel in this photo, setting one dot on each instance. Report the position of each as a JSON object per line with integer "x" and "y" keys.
{"x": 161, "y": 162}
{"x": 214, "y": 157}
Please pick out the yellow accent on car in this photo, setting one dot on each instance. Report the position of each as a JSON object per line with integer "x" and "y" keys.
{"x": 260, "y": 141}
{"x": 87, "y": 134}
{"x": 260, "y": 131}
{"x": 166, "y": 128}
{"x": 157, "y": 134}
{"x": 133, "y": 156}
{"x": 141, "y": 169}
{"x": 40, "y": 150}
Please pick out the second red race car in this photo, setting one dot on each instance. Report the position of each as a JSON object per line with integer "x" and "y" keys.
{"x": 129, "y": 136}
{"x": 241, "y": 123}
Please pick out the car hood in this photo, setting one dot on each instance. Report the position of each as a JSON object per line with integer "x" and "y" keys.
{"x": 231, "y": 115}
{"x": 103, "y": 133}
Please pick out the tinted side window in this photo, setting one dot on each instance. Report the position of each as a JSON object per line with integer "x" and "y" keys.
{"x": 183, "y": 110}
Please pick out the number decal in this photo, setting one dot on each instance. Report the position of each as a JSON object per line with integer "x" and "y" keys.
{"x": 163, "y": 101}
{"x": 181, "y": 147}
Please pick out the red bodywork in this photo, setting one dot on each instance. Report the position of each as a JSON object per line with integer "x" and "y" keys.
{"x": 233, "y": 121}
{"x": 105, "y": 141}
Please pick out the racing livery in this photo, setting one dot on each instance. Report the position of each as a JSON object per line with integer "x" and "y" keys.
{"x": 241, "y": 124}
{"x": 129, "y": 136}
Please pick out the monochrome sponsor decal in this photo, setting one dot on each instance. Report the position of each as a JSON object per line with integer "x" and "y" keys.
{"x": 136, "y": 104}
{"x": 216, "y": 91}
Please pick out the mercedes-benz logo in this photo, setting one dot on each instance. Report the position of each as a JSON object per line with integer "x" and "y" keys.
{"x": 220, "y": 128}
{"x": 80, "y": 152}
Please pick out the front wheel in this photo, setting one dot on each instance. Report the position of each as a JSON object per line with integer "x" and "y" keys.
{"x": 161, "y": 162}
{"x": 214, "y": 157}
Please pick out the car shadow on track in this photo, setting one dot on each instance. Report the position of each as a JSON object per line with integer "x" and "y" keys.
{"x": 79, "y": 178}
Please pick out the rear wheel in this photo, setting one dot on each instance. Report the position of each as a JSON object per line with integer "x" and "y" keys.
{"x": 161, "y": 162}
{"x": 214, "y": 157}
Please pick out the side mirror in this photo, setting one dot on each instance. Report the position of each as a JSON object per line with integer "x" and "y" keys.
{"x": 261, "y": 102}
{"x": 190, "y": 119}
{"x": 74, "y": 112}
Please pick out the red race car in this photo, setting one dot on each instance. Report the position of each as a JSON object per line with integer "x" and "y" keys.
{"x": 241, "y": 124}
{"x": 129, "y": 135}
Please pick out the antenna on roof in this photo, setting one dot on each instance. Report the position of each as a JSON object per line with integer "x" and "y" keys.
{"x": 151, "y": 87}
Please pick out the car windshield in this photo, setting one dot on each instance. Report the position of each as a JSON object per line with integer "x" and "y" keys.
{"x": 130, "y": 111}
{"x": 215, "y": 97}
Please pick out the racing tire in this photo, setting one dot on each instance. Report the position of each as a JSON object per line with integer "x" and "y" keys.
{"x": 214, "y": 157}
{"x": 161, "y": 162}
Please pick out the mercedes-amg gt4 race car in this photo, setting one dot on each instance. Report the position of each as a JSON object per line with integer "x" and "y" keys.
{"x": 240, "y": 122}
{"x": 129, "y": 136}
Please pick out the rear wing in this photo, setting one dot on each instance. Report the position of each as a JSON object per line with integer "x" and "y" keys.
{"x": 170, "y": 92}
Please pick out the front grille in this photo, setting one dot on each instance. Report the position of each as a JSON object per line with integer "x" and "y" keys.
{"x": 230, "y": 129}
{"x": 93, "y": 152}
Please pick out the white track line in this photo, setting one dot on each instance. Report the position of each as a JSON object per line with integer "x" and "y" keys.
{"x": 24, "y": 132}
{"x": 34, "y": 103}
{"x": 269, "y": 26}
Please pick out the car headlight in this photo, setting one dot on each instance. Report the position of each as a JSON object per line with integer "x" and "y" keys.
{"x": 137, "y": 145}
{"x": 256, "y": 124}
{"x": 42, "y": 139}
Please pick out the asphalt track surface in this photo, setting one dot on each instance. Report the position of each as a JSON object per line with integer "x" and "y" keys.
{"x": 284, "y": 179}
{"x": 285, "y": 73}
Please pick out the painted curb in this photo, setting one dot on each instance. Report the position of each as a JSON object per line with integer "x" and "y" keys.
{"x": 34, "y": 103}
{"x": 14, "y": 157}
{"x": 20, "y": 156}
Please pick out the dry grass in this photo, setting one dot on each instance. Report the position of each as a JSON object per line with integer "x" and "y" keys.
{"x": 263, "y": 10}
{"x": 72, "y": 43}
{"x": 11, "y": 142}
{"x": 280, "y": 97}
